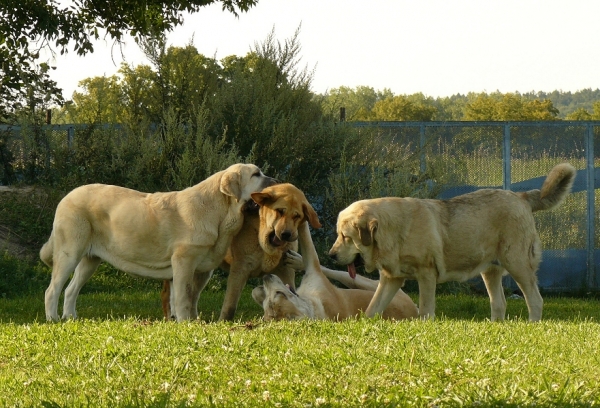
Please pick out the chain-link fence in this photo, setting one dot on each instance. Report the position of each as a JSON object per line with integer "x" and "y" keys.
{"x": 472, "y": 155}
{"x": 518, "y": 156}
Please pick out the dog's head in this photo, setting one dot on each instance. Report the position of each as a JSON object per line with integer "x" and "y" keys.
{"x": 278, "y": 300}
{"x": 283, "y": 207}
{"x": 241, "y": 180}
{"x": 356, "y": 238}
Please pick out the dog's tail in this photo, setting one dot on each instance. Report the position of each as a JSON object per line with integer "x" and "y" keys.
{"x": 47, "y": 251}
{"x": 555, "y": 189}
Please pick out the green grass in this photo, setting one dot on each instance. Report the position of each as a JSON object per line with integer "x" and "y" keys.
{"x": 120, "y": 353}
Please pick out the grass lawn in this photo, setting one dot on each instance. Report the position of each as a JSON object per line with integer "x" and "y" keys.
{"x": 120, "y": 353}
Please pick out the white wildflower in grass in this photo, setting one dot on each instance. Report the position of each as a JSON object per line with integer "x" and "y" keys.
{"x": 266, "y": 395}
{"x": 320, "y": 401}
{"x": 248, "y": 383}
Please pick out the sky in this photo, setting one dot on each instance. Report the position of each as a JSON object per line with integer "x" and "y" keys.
{"x": 436, "y": 47}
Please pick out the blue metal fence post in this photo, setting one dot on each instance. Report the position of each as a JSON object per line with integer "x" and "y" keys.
{"x": 70, "y": 136}
{"x": 591, "y": 207}
{"x": 506, "y": 176}
{"x": 422, "y": 146}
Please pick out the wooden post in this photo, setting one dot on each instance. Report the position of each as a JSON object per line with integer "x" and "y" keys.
{"x": 342, "y": 114}
{"x": 48, "y": 116}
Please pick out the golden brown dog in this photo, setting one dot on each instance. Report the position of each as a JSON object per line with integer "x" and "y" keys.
{"x": 317, "y": 297}
{"x": 180, "y": 235}
{"x": 258, "y": 247}
{"x": 487, "y": 232}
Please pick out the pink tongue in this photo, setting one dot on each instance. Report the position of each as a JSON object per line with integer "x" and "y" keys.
{"x": 276, "y": 241}
{"x": 352, "y": 270}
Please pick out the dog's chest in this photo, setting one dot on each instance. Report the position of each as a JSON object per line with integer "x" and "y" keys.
{"x": 270, "y": 262}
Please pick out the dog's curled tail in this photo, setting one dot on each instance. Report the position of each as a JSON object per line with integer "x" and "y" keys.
{"x": 555, "y": 189}
{"x": 47, "y": 251}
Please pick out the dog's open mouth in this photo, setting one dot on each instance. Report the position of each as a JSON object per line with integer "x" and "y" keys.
{"x": 251, "y": 207}
{"x": 358, "y": 261}
{"x": 274, "y": 240}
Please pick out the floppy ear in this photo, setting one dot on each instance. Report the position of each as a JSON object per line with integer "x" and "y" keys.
{"x": 259, "y": 294}
{"x": 311, "y": 215}
{"x": 367, "y": 232}
{"x": 231, "y": 184}
{"x": 262, "y": 198}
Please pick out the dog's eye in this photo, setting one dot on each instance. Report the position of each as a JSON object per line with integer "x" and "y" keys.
{"x": 257, "y": 174}
{"x": 280, "y": 293}
{"x": 296, "y": 217}
{"x": 280, "y": 211}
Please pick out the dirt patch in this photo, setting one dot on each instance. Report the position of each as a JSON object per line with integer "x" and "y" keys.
{"x": 11, "y": 242}
{"x": 18, "y": 190}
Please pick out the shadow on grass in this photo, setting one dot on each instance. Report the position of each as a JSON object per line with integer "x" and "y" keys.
{"x": 143, "y": 304}
{"x": 477, "y": 307}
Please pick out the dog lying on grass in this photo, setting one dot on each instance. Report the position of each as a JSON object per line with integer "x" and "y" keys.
{"x": 317, "y": 297}
{"x": 488, "y": 232}
{"x": 259, "y": 246}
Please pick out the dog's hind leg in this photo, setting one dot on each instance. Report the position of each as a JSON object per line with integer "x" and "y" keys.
{"x": 165, "y": 299}
{"x": 523, "y": 267}
{"x": 535, "y": 303}
{"x": 493, "y": 282}
{"x": 84, "y": 270}
{"x": 63, "y": 265}
{"x": 529, "y": 286}
{"x": 238, "y": 276}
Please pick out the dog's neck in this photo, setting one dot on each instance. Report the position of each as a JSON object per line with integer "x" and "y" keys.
{"x": 309, "y": 306}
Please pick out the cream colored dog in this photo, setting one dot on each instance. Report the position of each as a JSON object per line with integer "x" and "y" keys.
{"x": 180, "y": 235}
{"x": 259, "y": 246}
{"x": 488, "y": 232}
{"x": 317, "y": 297}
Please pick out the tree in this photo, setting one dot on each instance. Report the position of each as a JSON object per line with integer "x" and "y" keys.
{"x": 178, "y": 82}
{"x": 405, "y": 108}
{"x": 27, "y": 26}
{"x": 100, "y": 102}
{"x": 583, "y": 114}
{"x": 358, "y": 102}
{"x": 510, "y": 106}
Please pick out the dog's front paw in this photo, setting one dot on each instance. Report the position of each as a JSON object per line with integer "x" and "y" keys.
{"x": 293, "y": 260}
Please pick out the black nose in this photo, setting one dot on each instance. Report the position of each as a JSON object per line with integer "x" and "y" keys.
{"x": 286, "y": 235}
{"x": 333, "y": 256}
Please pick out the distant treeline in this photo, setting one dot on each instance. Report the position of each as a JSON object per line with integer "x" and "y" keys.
{"x": 364, "y": 103}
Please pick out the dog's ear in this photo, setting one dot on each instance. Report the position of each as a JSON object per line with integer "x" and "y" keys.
{"x": 310, "y": 215}
{"x": 231, "y": 184}
{"x": 259, "y": 294}
{"x": 263, "y": 198}
{"x": 366, "y": 232}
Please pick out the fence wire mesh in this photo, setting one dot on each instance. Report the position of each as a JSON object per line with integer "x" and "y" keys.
{"x": 518, "y": 156}
{"x": 469, "y": 155}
